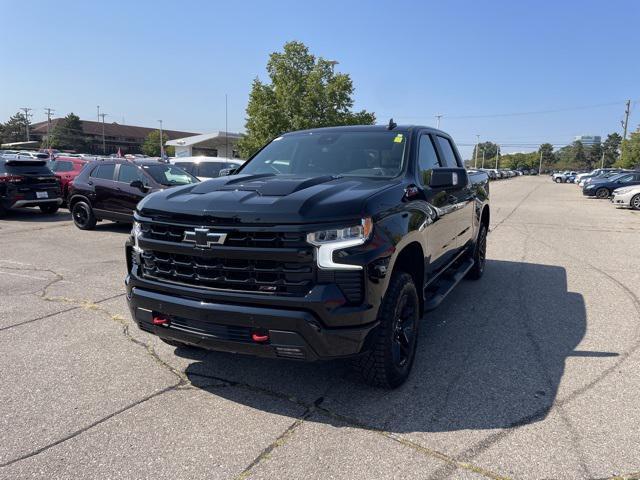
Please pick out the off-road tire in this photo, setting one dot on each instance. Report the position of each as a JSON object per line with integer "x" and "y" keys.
{"x": 377, "y": 366}
{"x": 49, "y": 209}
{"x": 479, "y": 254}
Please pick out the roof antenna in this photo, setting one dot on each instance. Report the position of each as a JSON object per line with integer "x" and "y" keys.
{"x": 392, "y": 124}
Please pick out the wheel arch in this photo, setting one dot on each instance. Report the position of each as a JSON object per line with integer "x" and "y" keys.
{"x": 411, "y": 260}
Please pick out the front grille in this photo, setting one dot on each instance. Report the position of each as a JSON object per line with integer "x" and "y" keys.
{"x": 250, "y": 239}
{"x": 262, "y": 261}
{"x": 229, "y": 273}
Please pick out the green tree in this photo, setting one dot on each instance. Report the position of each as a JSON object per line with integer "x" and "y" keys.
{"x": 579, "y": 155}
{"x": 594, "y": 157}
{"x": 548, "y": 157}
{"x": 489, "y": 150}
{"x": 67, "y": 134}
{"x": 15, "y": 130}
{"x": 611, "y": 149}
{"x": 630, "y": 157}
{"x": 151, "y": 145}
{"x": 305, "y": 92}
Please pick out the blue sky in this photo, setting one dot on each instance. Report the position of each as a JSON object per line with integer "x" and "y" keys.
{"x": 142, "y": 61}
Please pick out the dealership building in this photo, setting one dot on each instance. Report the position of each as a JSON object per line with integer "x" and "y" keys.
{"x": 126, "y": 138}
{"x": 216, "y": 144}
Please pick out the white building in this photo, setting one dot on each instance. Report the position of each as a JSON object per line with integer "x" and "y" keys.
{"x": 216, "y": 144}
{"x": 588, "y": 140}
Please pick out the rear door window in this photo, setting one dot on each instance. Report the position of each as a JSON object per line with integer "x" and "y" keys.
{"x": 447, "y": 152}
{"x": 210, "y": 169}
{"x": 104, "y": 171}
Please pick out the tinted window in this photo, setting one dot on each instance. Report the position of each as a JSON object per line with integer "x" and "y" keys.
{"x": 104, "y": 171}
{"x": 62, "y": 166}
{"x": 346, "y": 153}
{"x": 210, "y": 169}
{"x": 169, "y": 175}
{"x": 187, "y": 167}
{"x": 447, "y": 151}
{"x": 128, "y": 173}
{"x": 427, "y": 159}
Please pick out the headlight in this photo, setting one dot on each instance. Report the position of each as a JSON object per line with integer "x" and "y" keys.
{"x": 136, "y": 232}
{"x": 590, "y": 186}
{"x": 328, "y": 241}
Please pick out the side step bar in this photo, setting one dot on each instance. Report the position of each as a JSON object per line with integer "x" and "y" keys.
{"x": 435, "y": 293}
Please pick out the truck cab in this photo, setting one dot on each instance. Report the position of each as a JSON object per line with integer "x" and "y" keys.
{"x": 327, "y": 243}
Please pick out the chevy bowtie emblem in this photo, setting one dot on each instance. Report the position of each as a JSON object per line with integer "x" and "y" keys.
{"x": 204, "y": 238}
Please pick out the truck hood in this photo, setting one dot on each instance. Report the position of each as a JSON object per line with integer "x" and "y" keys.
{"x": 266, "y": 198}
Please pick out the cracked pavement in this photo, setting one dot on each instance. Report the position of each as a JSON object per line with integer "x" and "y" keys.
{"x": 530, "y": 373}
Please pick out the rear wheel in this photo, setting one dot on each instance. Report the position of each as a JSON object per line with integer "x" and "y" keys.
{"x": 479, "y": 254}
{"x": 83, "y": 216}
{"x": 635, "y": 202}
{"x": 389, "y": 361}
{"x": 49, "y": 209}
{"x": 602, "y": 193}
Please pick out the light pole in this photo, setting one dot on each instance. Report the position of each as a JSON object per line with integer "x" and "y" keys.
{"x": 497, "y": 155}
{"x": 98, "y": 107}
{"x": 475, "y": 164}
{"x": 26, "y": 111}
{"x": 104, "y": 143}
{"x": 226, "y": 128}
{"x": 161, "y": 142}
{"x": 540, "y": 167}
{"x": 438, "y": 117}
{"x": 483, "y": 158}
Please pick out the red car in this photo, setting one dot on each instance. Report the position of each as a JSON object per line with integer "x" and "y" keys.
{"x": 66, "y": 169}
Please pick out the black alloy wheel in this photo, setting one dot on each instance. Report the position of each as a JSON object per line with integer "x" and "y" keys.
{"x": 83, "y": 216}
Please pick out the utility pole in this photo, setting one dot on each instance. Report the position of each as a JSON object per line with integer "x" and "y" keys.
{"x": 438, "y": 117}
{"x": 602, "y": 161}
{"x": 98, "y": 107}
{"x": 26, "y": 111}
{"x": 104, "y": 144}
{"x": 475, "y": 165}
{"x": 540, "y": 167}
{"x": 625, "y": 122}
{"x": 49, "y": 112}
{"x": 161, "y": 142}
{"x": 226, "y": 126}
{"x": 497, "y": 156}
{"x": 483, "y": 158}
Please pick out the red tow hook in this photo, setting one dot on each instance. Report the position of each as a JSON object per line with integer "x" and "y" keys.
{"x": 260, "y": 337}
{"x": 160, "y": 320}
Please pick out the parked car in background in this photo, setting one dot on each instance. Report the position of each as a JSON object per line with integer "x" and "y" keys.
{"x": 604, "y": 188}
{"x": 111, "y": 189}
{"x": 582, "y": 177}
{"x": 601, "y": 176}
{"x": 627, "y": 197}
{"x": 563, "y": 176}
{"x": 206, "y": 167}
{"x": 66, "y": 169}
{"x": 26, "y": 155}
{"x": 28, "y": 183}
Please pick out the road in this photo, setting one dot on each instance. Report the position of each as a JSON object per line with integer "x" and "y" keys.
{"x": 530, "y": 373}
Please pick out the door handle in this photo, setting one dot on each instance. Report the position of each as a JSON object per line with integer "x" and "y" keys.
{"x": 90, "y": 182}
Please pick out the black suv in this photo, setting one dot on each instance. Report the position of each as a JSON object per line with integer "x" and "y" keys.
{"x": 28, "y": 183}
{"x": 111, "y": 189}
{"x": 328, "y": 243}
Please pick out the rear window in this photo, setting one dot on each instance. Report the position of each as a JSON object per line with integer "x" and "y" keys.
{"x": 187, "y": 167}
{"x": 62, "y": 166}
{"x": 33, "y": 167}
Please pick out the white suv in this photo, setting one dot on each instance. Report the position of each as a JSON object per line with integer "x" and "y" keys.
{"x": 205, "y": 167}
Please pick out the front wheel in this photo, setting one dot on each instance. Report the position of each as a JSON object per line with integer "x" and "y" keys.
{"x": 49, "y": 209}
{"x": 602, "y": 193}
{"x": 558, "y": 180}
{"x": 479, "y": 254}
{"x": 393, "y": 349}
{"x": 83, "y": 216}
{"x": 635, "y": 202}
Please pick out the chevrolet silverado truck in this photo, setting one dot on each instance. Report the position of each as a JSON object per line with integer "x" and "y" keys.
{"x": 327, "y": 243}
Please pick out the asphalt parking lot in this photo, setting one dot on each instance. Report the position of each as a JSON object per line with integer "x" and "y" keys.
{"x": 530, "y": 373}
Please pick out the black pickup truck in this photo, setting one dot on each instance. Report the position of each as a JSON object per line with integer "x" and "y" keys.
{"x": 328, "y": 243}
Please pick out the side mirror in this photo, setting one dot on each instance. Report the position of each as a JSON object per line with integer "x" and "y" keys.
{"x": 448, "y": 178}
{"x": 227, "y": 171}
{"x": 139, "y": 185}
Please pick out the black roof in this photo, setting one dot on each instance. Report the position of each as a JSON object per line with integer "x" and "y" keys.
{"x": 367, "y": 128}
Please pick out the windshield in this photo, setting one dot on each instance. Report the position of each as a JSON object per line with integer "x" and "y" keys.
{"x": 169, "y": 175}
{"x": 364, "y": 154}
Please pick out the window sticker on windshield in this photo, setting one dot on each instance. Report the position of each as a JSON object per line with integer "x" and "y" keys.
{"x": 398, "y": 138}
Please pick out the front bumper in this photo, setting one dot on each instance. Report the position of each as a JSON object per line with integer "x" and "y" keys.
{"x": 623, "y": 200}
{"x": 591, "y": 192}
